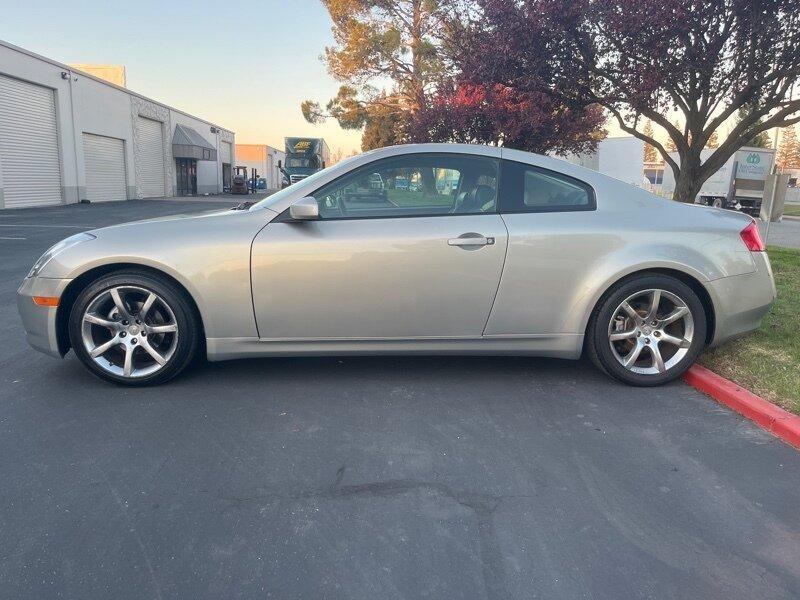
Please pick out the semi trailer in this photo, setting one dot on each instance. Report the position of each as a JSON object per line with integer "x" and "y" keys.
{"x": 304, "y": 157}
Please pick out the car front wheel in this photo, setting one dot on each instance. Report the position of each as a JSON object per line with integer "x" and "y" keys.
{"x": 647, "y": 330}
{"x": 133, "y": 328}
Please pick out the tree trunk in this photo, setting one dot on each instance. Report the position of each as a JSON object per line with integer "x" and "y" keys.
{"x": 417, "y": 87}
{"x": 691, "y": 177}
{"x": 687, "y": 186}
{"x": 429, "y": 181}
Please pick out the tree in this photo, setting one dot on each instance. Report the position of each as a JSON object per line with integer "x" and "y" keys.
{"x": 650, "y": 152}
{"x": 706, "y": 59}
{"x": 336, "y": 156}
{"x": 759, "y": 140}
{"x": 671, "y": 145}
{"x": 385, "y": 125}
{"x": 788, "y": 156}
{"x": 399, "y": 42}
{"x": 713, "y": 141}
{"x": 486, "y": 113}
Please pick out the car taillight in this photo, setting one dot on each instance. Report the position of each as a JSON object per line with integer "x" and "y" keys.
{"x": 752, "y": 238}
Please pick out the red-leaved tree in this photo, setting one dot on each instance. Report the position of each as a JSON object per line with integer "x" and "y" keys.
{"x": 474, "y": 112}
{"x": 641, "y": 59}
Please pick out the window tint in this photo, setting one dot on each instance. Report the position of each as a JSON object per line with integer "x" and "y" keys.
{"x": 413, "y": 185}
{"x": 531, "y": 189}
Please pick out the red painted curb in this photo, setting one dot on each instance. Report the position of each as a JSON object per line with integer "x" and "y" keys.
{"x": 774, "y": 419}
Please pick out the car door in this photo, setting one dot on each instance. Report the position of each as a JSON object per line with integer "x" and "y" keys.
{"x": 405, "y": 247}
{"x": 555, "y": 242}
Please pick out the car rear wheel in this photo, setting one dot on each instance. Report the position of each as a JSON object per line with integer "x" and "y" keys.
{"x": 647, "y": 330}
{"x": 133, "y": 328}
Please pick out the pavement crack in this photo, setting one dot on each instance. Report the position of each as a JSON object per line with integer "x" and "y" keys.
{"x": 339, "y": 477}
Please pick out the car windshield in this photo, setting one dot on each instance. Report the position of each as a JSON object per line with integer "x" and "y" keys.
{"x": 277, "y": 197}
{"x": 301, "y": 162}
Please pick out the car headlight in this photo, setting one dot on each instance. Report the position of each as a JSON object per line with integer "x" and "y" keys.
{"x": 59, "y": 247}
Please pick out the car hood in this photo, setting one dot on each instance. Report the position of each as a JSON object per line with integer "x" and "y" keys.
{"x": 170, "y": 243}
{"x": 215, "y": 213}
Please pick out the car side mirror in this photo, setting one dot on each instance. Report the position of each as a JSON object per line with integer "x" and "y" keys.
{"x": 305, "y": 209}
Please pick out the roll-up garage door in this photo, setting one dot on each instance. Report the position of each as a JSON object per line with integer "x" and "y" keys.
{"x": 29, "y": 161}
{"x": 151, "y": 158}
{"x": 104, "y": 158}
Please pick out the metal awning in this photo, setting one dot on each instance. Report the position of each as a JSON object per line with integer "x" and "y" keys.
{"x": 187, "y": 143}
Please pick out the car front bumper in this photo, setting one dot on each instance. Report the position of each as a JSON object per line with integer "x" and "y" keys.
{"x": 741, "y": 301}
{"x": 40, "y": 321}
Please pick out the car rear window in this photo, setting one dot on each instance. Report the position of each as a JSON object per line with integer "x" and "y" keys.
{"x": 526, "y": 188}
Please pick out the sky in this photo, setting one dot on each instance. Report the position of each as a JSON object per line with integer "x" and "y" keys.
{"x": 244, "y": 65}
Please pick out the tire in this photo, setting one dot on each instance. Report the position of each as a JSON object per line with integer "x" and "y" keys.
{"x": 717, "y": 203}
{"x": 614, "y": 334}
{"x": 160, "y": 346}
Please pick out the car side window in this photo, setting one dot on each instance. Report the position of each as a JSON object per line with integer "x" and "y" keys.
{"x": 413, "y": 185}
{"x": 527, "y": 188}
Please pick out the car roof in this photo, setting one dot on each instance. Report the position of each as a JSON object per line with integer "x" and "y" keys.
{"x": 531, "y": 158}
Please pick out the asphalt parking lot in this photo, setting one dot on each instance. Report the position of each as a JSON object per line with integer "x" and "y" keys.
{"x": 430, "y": 477}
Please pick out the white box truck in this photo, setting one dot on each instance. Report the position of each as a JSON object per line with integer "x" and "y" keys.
{"x": 622, "y": 158}
{"x": 619, "y": 157}
{"x": 738, "y": 185}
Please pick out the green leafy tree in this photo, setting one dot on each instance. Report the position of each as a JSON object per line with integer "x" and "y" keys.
{"x": 396, "y": 44}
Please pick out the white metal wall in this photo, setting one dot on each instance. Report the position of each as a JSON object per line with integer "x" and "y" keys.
{"x": 45, "y": 107}
{"x": 29, "y": 158}
{"x": 225, "y": 152}
{"x": 104, "y": 158}
{"x": 151, "y": 153}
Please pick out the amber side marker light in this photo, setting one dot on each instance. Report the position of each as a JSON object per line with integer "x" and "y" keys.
{"x": 45, "y": 301}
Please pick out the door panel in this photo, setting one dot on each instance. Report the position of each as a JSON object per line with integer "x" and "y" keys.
{"x": 104, "y": 159}
{"x": 376, "y": 278}
{"x": 186, "y": 176}
{"x": 150, "y": 157}
{"x": 557, "y": 242}
{"x": 30, "y": 172}
{"x": 552, "y": 258}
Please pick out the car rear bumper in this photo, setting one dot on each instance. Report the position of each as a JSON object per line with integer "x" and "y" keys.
{"x": 741, "y": 301}
{"x": 40, "y": 321}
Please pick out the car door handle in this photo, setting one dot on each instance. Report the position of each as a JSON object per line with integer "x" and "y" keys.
{"x": 471, "y": 239}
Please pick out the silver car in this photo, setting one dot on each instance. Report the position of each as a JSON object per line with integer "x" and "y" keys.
{"x": 421, "y": 249}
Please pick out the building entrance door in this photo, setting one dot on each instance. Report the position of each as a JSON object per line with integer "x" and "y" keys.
{"x": 186, "y": 169}
{"x": 226, "y": 177}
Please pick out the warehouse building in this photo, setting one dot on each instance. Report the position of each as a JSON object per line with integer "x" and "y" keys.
{"x": 264, "y": 159}
{"x": 67, "y": 136}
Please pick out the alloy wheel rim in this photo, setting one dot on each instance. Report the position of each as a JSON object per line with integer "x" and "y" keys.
{"x": 651, "y": 331}
{"x": 129, "y": 331}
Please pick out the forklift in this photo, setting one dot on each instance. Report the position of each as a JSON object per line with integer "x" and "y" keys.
{"x": 240, "y": 183}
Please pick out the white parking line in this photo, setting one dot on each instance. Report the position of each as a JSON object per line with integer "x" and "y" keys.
{"x": 12, "y": 238}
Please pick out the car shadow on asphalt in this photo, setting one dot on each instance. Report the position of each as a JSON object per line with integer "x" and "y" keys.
{"x": 343, "y": 377}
